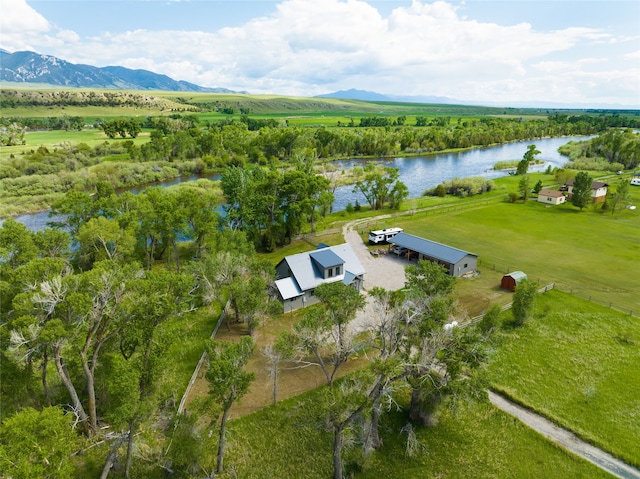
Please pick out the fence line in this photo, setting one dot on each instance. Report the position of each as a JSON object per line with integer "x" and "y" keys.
{"x": 203, "y": 358}
{"x": 506, "y": 307}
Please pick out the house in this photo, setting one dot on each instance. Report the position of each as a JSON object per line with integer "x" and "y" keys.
{"x": 636, "y": 179}
{"x": 551, "y": 197}
{"x": 300, "y": 274}
{"x": 598, "y": 190}
{"x": 510, "y": 281}
{"x": 456, "y": 261}
{"x": 383, "y": 236}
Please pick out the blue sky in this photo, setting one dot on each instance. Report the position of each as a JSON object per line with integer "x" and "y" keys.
{"x": 585, "y": 53}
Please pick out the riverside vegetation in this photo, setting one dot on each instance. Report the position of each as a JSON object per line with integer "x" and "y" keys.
{"x": 113, "y": 327}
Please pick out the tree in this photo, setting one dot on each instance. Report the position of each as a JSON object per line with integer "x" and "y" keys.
{"x": 581, "y": 194}
{"x": 377, "y": 186}
{"x": 277, "y": 352}
{"x": 101, "y": 238}
{"x": 524, "y": 300}
{"x": 537, "y": 187}
{"x": 16, "y": 244}
{"x": 324, "y": 330}
{"x": 524, "y": 186}
{"x": 228, "y": 382}
{"x": 527, "y": 158}
{"x": 38, "y": 444}
{"x": 342, "y": 405}
{"x": 620, "y": 196}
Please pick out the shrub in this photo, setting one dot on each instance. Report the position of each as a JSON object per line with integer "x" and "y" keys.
{"x": 491, "y": 319}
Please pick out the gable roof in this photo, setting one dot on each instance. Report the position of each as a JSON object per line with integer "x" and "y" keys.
{"x": 430, "y": 248}
{"x": 551, "y": 193}
{"x": 594, "y": 185}
{"x": 307, "y": 269}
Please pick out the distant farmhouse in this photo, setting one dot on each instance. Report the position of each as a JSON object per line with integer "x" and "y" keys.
{"x": 551, "y": 197}
{"x": 300, "y": 274}
{"x": 598, "y": 190}
{"x": 456, "y": 261}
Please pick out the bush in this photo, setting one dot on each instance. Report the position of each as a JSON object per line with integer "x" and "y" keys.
{"x": 491, "y": 319}
{"x": 462, "y": 187}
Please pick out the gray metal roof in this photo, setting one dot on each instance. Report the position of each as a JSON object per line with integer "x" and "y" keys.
{"x": 288, "y": 288}
{"x": 307, "y": 274}
{"x": 326, "y": 258}
{"x": 430, "y": 248}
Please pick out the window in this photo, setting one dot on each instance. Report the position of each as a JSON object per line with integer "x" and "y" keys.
{"x": 549, "y": 199}
{"x": 329, "y": 272}
{"x": 337, "y": 270}
{"x": 466, "y": 264}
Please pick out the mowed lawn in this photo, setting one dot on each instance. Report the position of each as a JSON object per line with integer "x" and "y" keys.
{"x": 588, "y": 253}
{"x": 577, "y": 363}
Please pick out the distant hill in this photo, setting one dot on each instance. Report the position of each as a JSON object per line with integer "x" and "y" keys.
{"x": 30, "y": 67}
{"x": 364, "y": 95}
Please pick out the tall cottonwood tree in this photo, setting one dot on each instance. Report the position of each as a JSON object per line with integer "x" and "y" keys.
{"x": 228, "y": 381}
{"x": 324, "y": 332}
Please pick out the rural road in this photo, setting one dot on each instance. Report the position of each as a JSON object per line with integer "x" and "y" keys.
{"x": 387, "y": 271}
{"x": 566, "y": 439}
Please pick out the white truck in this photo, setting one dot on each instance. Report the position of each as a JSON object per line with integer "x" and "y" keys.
{"x": 383, "y": 236}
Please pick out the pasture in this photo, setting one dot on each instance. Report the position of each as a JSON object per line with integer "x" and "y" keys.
{"x": 576, "y": 363}
{"x": 589, "y": 253}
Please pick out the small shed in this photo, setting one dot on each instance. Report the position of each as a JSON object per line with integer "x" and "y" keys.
{"x": 509, "y": 281}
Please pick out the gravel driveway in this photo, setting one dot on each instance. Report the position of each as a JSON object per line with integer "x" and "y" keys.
{"x": 385, "y": 271}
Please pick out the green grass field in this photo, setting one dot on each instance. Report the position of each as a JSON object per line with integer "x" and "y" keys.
{"x": 588, "y": 253}
{"x": 474, "y": 441}
{"x": 578, "y": 364}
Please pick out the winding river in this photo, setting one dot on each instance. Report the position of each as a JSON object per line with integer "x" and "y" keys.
{"x": 418, "y": 173}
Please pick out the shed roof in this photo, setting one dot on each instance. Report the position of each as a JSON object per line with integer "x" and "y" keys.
{"x": 430, "y": 248}
{"x": 517, "y": 276}
{"x": 326, "y": 258}
{"x": 288, "y": 288}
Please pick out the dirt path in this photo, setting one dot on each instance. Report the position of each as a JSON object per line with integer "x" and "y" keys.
{"x": 566, "y": 439}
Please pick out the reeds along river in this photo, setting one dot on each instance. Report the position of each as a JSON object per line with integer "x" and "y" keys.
{"x": 418, "y": 173}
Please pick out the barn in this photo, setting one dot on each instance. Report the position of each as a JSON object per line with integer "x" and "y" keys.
{"x": 511, "y": 280}
{"x": 456, "y": 261}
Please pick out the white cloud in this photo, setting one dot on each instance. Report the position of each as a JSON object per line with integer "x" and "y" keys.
{"x": 314, "y": 46}
{"x": 20, "y": 25}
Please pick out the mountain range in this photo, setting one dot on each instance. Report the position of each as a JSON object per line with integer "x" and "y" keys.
{"x": 30, "y": 67}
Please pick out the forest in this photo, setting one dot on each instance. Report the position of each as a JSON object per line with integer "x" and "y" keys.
{"x": 94, "y": 306}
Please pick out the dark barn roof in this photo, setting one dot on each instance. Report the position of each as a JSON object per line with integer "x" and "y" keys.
{"x": 430, "y": 248}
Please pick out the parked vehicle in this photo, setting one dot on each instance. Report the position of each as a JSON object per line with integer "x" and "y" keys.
{"x": 383, "y": 236}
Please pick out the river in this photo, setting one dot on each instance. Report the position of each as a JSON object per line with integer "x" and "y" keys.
{"x": 418, "y": 173}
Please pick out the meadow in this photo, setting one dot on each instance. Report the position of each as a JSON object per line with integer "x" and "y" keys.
{"x": 577, "y": 364}
{"x": 588, "y": 253}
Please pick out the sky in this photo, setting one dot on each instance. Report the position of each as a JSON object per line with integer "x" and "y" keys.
{"x": 584, "y": 53}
